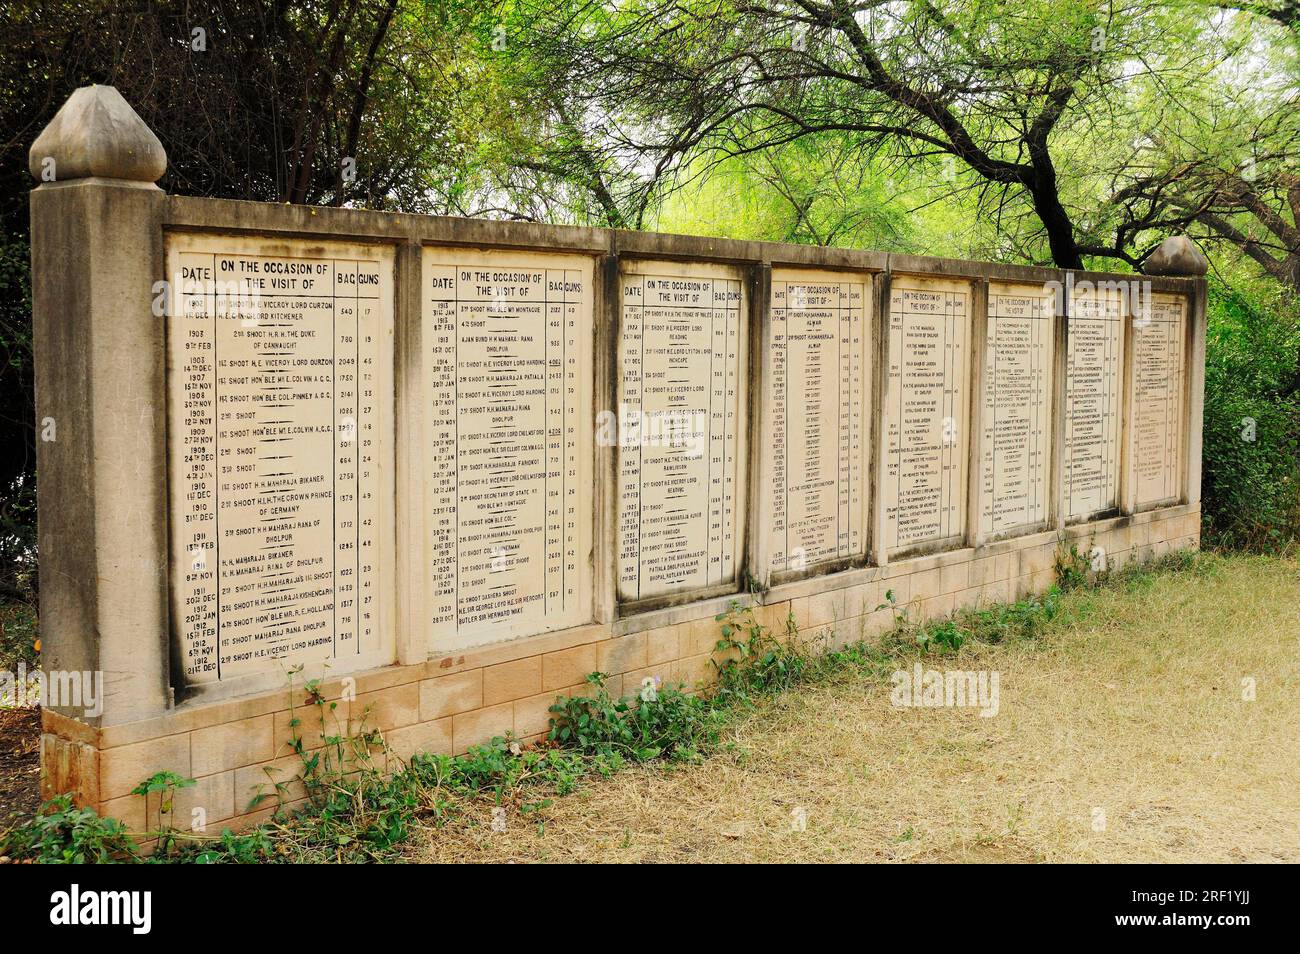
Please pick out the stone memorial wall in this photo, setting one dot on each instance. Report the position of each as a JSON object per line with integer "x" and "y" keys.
{"x": 1017, "y": 408}
{"x": 681, "y": 368}
{"x": 1094, "y": 402}
{"x": 508, "y": 436}
{"x": 927, "y": 412}
{"x": 280, "y": 423}
{"x": 449, "y": 468}
{"x": 819, "y": 417}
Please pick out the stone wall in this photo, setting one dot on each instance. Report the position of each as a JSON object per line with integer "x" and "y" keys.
{"x": 235, "y": 748}
{"x": 450, "y": 467}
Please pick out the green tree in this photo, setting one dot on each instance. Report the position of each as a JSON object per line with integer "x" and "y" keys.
{"x": 1221, "y": 166}
{"x": 999, "y": 86}
{"x": 329, "y": 101}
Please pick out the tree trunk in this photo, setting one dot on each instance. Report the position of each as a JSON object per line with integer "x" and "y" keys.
{"x": 1060, "y": 230}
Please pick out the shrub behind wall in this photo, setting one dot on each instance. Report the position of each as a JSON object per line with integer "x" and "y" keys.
{"x": 1251, "y": 459}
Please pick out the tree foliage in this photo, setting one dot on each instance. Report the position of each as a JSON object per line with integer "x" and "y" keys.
{"x": 1073, "y": 132}
{"x": 328, "y": 102}
{"x": 1251, "y": 462}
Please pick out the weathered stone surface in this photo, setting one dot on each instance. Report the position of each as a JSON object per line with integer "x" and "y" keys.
{"x": 1094, "y": 399}
{"x": 681, "y": 489}
{"x": 102, "y": 492}
{"x": 925, "y": 440}
{"x": 1177, "y": 255}
{"x": 97, "y": 133}
{"x": 818, "y": 412}
{"x": 282, "y": 542}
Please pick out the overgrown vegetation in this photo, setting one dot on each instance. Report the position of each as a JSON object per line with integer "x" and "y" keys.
{"x": 1251, "y": 462}
{"x": 18, "y": 635}
{"x": 343, "y": 806}
{"x": 665, "y": 722}
{"x": 1132, "y": 698}
{"x": 64, "y": 834}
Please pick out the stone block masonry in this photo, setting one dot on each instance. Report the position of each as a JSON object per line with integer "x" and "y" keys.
{"x": 450, "y": 467}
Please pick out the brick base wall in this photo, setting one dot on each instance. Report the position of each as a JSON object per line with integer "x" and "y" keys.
{"x": 236, "y": 748}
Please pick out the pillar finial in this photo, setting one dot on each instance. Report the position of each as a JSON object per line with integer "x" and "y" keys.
{"x": 1177, "y": 255}
{"x": 97, "y": 133}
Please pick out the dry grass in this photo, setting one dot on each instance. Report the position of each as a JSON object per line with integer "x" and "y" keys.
{"x": 1134, "y": 706}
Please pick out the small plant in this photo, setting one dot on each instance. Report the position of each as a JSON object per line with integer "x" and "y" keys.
{"x": 62, "y": 833}
{"x": 891, "y": 604}
{"x": 867, "y": 658}
{"x": 1072, "y": 568}
{"x": 751, "y": 661}
{"x": 1134, "y": 577}
{"x": 164, "y": 785}
{"x": 943, "y": 634}
{"x": 346, "y": 750}
{"x": 998, "y": 623}
{"x": 673, "y": 724}
{"x": 249, "y": 848}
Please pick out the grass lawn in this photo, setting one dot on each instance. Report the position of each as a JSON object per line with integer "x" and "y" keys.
{"x": 1122, "y": 736}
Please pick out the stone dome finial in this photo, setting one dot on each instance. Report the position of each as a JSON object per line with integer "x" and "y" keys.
{"x": 97, "y": 133}
{"x": 1177, "y": 255}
